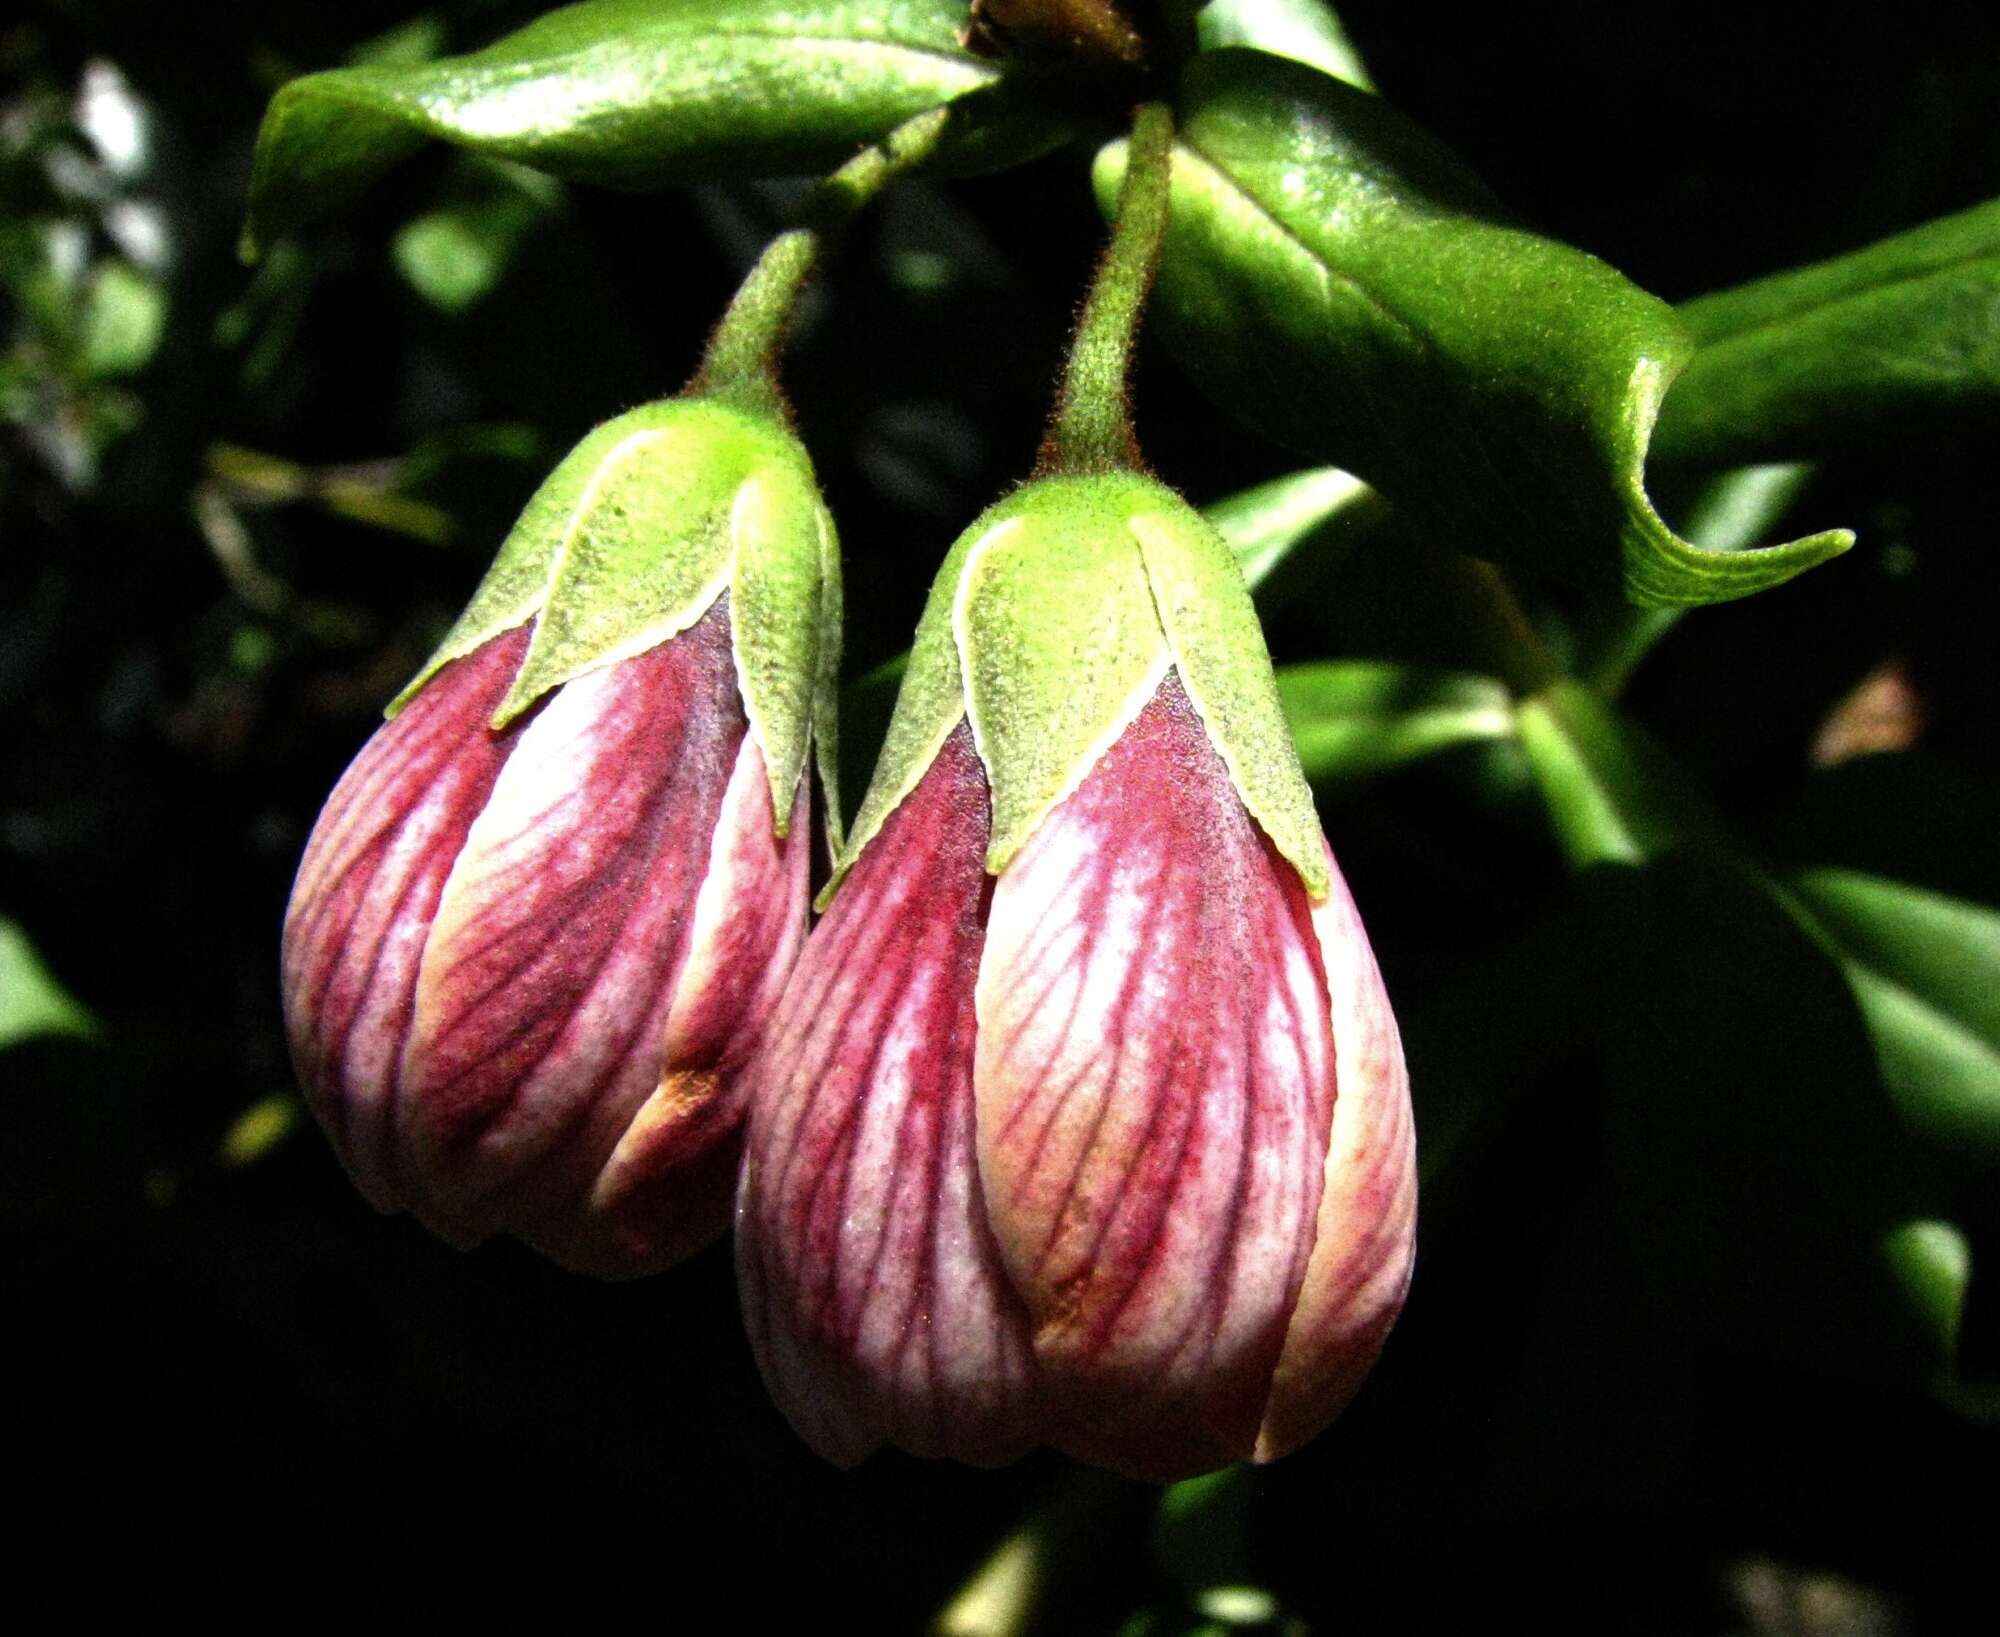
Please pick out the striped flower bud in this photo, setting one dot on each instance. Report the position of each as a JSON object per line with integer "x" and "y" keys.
{"x": 1083, "y": 1120}
{"x": 546, "y": 911}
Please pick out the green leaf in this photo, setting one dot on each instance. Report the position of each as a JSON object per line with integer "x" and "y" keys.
{"x": 32, "y": 1003}
{"x": 1925, "y": 969}
{"x": 1265, "y": 524}
{"x": 1815, "y": 360}
{"x": 626, "y": 93}
{"x": 1303, "y": 30}
{"x": 1761, "y": 1164}
{"x": 1354, "y": 719}
{"x": 1335, "y": 277}
{"x": 1612, "y": 795}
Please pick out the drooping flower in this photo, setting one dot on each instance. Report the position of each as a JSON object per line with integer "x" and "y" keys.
{"x": 545, "y": 912}
{"x": 1083, "y": 1120}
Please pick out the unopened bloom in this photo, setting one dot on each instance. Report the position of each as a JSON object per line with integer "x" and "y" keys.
{"x": 1083, "y": 1120}
{"x": 545, "y": 912}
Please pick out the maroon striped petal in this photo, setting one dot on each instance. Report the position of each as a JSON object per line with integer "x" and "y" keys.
{"x": 871, "y": 1287}
{"x": 1365, "y": 1243}
{"x": 545, "y": 990}
{"x": 367, "y": 889}
{"x": 672, "y": 1177}
{"x": 1154, "y": 1090}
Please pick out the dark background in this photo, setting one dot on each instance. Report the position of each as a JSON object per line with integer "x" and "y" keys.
{"x": 235, "y": 1389}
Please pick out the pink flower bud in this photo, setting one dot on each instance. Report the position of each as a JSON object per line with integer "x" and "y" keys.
{"x": 1111, "y": 1152}
{"x": 522, "y": 968}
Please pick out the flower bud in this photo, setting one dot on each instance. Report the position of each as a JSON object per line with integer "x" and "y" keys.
{"x": 1083, "y": 1120}
{"x": 546, "y": 911}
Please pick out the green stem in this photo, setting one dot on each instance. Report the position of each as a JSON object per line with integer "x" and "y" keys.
{"x": 741, "y": 363}
{"x": 1092, "y": 429}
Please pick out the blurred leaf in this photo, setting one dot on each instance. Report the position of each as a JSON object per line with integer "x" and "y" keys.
{"x": 454, "y": 255}
{"x": 1336, "y": 277}
{"x": 1303, "y": 30}
{"x": 1933, "y": 1262}
{"x": 1353, "y": 719}
{"x": 1809, "y": 361}
{"x": 259, "y": 1129}
{"x": 625, "y": 93}
{"x": 1263, "y": 525}
{"x": 32, "y": 1003}
{"x": 124, "y": 316}
{"x": 1926, "y": 971}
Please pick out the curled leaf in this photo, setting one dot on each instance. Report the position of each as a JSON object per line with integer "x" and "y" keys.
{"x": 1336, "y": 277}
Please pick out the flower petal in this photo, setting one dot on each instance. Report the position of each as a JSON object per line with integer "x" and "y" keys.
{"x": 543, "y": 998}
{"x": 1365, "y": 1244}
{"x": 367, "y": 889}
{"x": 671, "y": 1180}
{"x": 871, "y": 1287}
{"x": 1154, "y": 1088}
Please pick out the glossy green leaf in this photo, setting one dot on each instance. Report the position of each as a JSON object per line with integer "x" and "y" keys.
{"x": 1303, "y": 30}
{"x": 1925, "y": 969}
{"x": 1354, "y": 719}
{"x": 1336, "y": 278}
{"x": 32, "y": 1003}
{"x": 626, "y": 93}
{"x": 1823, "y": 357}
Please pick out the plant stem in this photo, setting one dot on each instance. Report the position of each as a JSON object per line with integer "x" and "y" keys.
{"x": 741, "y": 362}
{"x": 1092, "y": 428}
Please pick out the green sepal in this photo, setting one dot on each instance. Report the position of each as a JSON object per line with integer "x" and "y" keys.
{"x": 631, "y": 540}
{"x": 1218, "y": 648}
{"x": 826, "y": 687}
{"x": 1337, "y": 278}
{"x": 518, "y": 582}
{"x": 929, "y": 705}
{"x": 626, "y": 93}
{"x": 1059, "y": 642}
{"x": 1051, "y": 622}
{"x": 784, "y": 615}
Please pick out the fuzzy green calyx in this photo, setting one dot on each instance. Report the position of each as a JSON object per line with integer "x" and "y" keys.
{"x": 631, "y": 539}
{"x": 1052, "y": 622}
